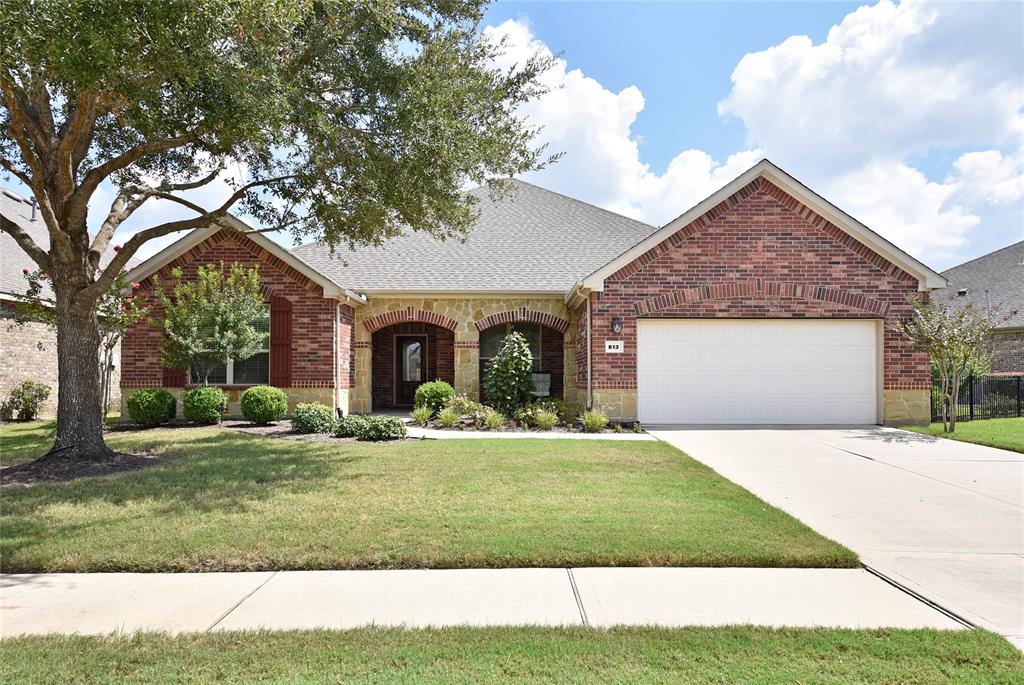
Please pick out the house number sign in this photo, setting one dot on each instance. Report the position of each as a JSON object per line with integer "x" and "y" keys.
{"x": 614, "y": 347}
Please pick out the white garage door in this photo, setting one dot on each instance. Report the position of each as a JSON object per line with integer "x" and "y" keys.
{"x": 756, "y": 372}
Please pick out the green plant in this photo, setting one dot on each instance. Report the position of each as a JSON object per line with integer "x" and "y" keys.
{"x": 25, "y": 399}
{"x": 422, "y": 415}
{"x": 637, "y": 428}
{"x": 617, "y": 428}
{"x": 434, "y": 395}
{"x": 446, "y": 418}
{"x": 566, "y": 411}
{"x": 508, "y": 380}
{"x": 493, "y": 419}
{"x": 380, "y": 428}
{"x": 204, "y": 405}
{"x": 313, "y": 417}
{"x": 545, "y": 420}
{"x": 151, "y": 407}
{"x": 349, "y": 426}
{"x": 464, "y": 406}
{"x": 593, "y": 421}
{"x": 263, "y": 404}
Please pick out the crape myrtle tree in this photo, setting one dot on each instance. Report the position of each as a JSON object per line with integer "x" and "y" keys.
{"x": 347, "y": 120}
{"x": 957, "y": 339}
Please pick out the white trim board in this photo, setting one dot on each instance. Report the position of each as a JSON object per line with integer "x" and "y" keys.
{"x": 928, "y": 279}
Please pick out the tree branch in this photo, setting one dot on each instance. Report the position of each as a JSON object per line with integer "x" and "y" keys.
{"x": 79, "y": 125}
{"x": 26, "y": 243}
{"x": 14, "y": 171}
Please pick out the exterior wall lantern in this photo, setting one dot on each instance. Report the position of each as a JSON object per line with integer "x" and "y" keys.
{"x": 616, "y": 324}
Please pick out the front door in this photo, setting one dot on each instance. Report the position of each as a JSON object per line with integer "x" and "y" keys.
{"x": 410, "y": 367}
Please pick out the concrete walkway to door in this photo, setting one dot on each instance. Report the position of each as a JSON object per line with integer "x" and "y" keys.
{"x": 943, "y": 518}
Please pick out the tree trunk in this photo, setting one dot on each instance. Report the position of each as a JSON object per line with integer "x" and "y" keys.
{"x": 79, "y": 402}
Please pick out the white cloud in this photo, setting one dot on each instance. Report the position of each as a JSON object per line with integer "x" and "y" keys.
{"x": 851, "y": 116}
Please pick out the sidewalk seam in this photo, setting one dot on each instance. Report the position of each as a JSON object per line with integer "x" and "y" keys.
{"x": 239, "y": 602}
{"x": 579, "y": 600}
{"x": 919, "y": 597}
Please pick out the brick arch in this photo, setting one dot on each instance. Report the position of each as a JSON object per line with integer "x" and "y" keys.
{"x": 409, "y": 315}
{"x": 523, "y": 315}
{"x": 761, "y": 288}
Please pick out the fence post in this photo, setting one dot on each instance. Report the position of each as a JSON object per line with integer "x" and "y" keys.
{"x": 1018, "y": 396}
{"x": 970, "y": 395}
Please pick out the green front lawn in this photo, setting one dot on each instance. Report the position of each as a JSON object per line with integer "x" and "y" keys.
{"x": 1007, "y": 434}
{"x": 20, "y": 442}
{"x": 522, "y": 655}
{"x": 230, "y": 501}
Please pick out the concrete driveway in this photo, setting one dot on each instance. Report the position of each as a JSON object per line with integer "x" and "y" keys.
{"x": 943, "y": 518}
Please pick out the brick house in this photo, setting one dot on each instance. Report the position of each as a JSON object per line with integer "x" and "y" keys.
{"x": 764, "y": 303}
{"x": 995, "y": 281}
{"x": 29, "y": 349}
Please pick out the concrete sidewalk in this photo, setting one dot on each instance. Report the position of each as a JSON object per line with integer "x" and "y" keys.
{"x": 99, "y": 603}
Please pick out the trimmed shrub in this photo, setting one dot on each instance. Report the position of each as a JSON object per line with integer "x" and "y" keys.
{"x": 313, "y": 417}
{"x": 422, "y": 415}
{"x": 509, "y": 377}
{"x": 463, "y": 406}
{"x": 493, "y": 419}
{"x": 151, "y": 407}
{"x": 204, "y": 405}
{"x": 434, "y": 395}
{"x": 593, "y": 421}
{"x": 349, "y": 426}
{"x": 263, "y": 404}
{"x": 446, "y": 418}
{"x": 545, "y": 420}
{"x": 380, "y": 428}
{"x": 25, "y": 399}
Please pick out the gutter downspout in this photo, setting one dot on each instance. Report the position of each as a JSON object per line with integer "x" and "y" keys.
{"x": 590, "y": 365}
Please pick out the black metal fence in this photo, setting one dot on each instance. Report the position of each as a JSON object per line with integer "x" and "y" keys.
{"x": 988, "y": 397}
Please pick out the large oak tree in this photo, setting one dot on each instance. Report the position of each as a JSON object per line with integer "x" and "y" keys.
{"x": 350, "y": 119}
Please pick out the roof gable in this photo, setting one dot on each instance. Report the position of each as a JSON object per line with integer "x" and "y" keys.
{"x": 801, "y": 199}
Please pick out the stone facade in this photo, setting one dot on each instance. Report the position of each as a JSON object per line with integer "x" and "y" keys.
{"x": 1008, "y": 352}
{"x": 29, "y": 352}
{"x": 758, "y": 254}
{"x": 461, "y": 316}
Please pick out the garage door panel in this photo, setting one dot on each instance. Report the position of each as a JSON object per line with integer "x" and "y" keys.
{"x": 746, "y": 371}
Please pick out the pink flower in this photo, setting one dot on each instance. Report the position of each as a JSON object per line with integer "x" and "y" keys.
{"x": 25, "y": 271}
{"x": 117, "y": 248}
{"x": 136, "y": 286}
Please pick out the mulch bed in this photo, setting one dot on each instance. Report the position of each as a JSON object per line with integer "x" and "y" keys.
{"x": 281, "y": 429}
{"x": 56, "y": 469}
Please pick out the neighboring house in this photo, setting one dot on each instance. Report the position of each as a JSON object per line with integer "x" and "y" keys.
{"x": 764, "y": 303}
{"x": 28, "y": 351}
{"x": 995, "y": 282}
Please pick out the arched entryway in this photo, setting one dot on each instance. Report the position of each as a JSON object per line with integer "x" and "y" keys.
{"x": 406, "y": 355}
{"x": 546, "y": 346}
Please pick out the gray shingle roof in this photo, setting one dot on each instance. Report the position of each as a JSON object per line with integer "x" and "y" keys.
{"x": 531, "y": 240}
{"x": 13, "y": 259}
{"x": 1001, "y": 272}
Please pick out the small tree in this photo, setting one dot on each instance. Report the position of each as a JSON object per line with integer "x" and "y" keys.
{"x": 212, "y": 319}
{"x": 956, "y": 339}
{"x": 120, "y": 308}
{"x": 509, "y": 378}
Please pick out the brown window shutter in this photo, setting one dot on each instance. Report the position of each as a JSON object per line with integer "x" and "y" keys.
{"x": 174, "y": 378}
{"x": 280, "y": 342}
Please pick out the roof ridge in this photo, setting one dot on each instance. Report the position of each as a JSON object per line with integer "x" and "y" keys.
{"x": 1019, "y": 243}
{"x": 583, "y": 202}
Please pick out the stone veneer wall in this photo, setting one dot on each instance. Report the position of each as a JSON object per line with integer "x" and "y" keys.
{"x": 1008, "y": 352}
{"x": 461, "y": 314}
{"x": 29, "y": 352}
{"x": 758, "y": 254}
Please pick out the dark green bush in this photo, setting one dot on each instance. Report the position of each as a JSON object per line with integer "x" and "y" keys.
{"x": 434, "y": 395}
{"x": 205, "y": 405}
{"x": 151, "y": 407}
{"x": 25, "y": 399}
{"x": 263, "y": 404}
{"x": 313, "y": 417}
{"x": 349, "y": 426}
{"x": 509, "y": 377}
{"x": 378, "y": 428}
